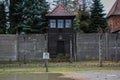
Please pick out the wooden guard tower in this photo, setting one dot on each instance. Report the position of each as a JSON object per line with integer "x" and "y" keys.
{"x": 60, "y": 33}
{"x": 113, "y": 17}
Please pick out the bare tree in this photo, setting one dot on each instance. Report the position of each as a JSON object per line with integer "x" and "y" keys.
{"x": 100, "y": 31}
{"x": 107, "y": 31}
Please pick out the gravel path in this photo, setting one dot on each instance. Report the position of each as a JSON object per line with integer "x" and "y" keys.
{"x": 96, "y": 75}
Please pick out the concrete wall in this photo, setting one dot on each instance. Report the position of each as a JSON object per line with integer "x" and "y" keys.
{"x": 88, "y": 46}
{"x": 20, "y": 47}
{"x": 8, "y": 47}
{"x": 32, "y": 46}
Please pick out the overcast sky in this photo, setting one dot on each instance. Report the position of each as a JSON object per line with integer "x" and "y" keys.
{"x": 107, "y": 4}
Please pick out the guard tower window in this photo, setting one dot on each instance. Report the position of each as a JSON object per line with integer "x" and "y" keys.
{"x": 52, "y": 23}
{"x": 60, "y": 23}
{"x": 68, "y": 23}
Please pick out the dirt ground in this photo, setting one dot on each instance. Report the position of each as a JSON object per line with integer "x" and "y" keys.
{"x": 34, "y": 76}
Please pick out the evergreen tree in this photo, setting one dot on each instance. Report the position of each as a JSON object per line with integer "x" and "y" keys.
{"x": 2, "y": 19}
{"x": 31, "y": 15}
{"x": 13, "y": 19}
{"x": 82, "y": 20}
{"x": 97, "y": 16}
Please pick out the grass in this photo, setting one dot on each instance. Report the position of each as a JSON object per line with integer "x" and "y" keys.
{"x": 12, "y": 70}
{"x": 57, "y": 67}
